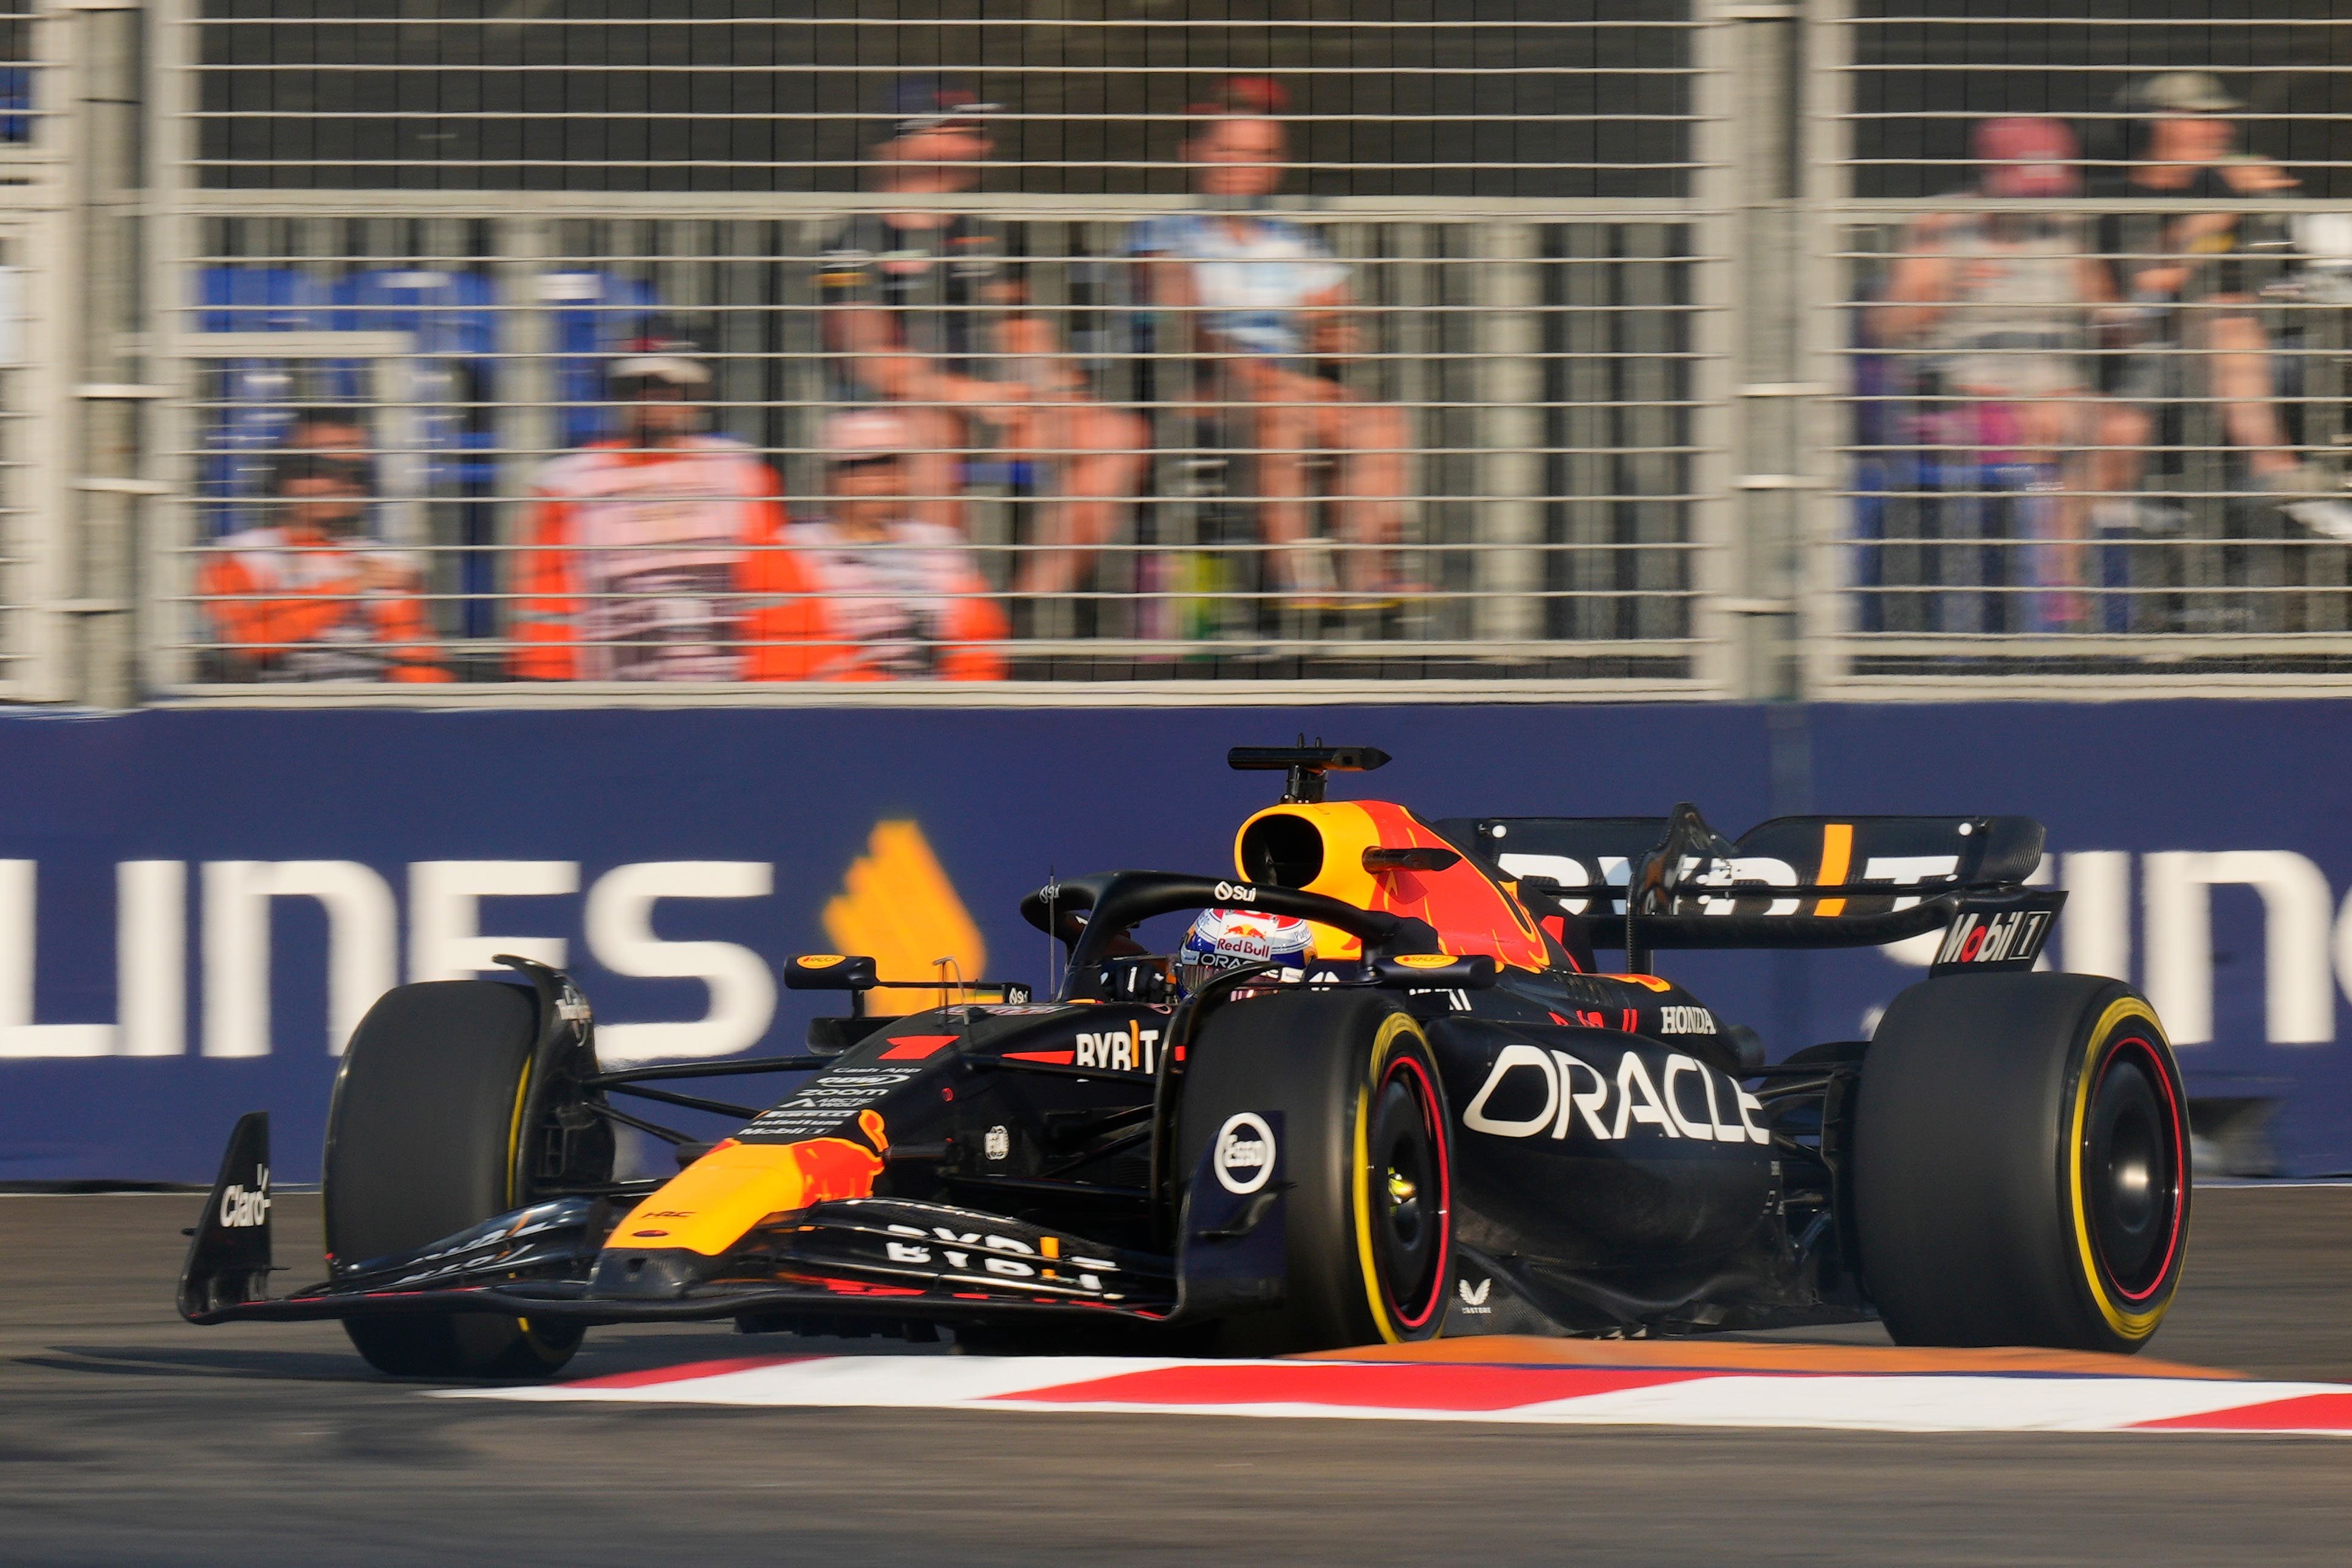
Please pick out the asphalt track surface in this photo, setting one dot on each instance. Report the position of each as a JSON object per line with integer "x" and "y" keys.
{"x": 127, "y": 1437}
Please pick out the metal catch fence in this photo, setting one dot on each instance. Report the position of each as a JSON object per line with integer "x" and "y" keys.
{"x": 1493, "y": 476}
{"x": 2085, "y": 313}
{"x": 1754, "y": 348}
{"x": 1236, "y": 351}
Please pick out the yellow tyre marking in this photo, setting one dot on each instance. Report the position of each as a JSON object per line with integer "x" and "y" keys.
{"x": 514, "y": 1129}
{"x": 514, "y": 1154}
{"x": 2129, "y": 1324}
{"x": 1368, "y": 1266}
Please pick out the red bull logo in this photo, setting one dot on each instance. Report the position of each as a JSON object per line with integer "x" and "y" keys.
{"x": 832, "y": 1168}
{"x": 711, "y": 1203}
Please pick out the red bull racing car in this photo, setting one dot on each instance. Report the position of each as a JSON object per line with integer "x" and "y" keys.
{"x": 1399, "y": 1078}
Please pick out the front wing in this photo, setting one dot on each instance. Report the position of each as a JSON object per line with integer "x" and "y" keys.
{"x": 873, "y": 1258}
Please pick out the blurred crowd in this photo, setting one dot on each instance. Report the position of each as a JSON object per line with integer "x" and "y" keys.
{"x": 2059, "y": 347}
{"x": 2048, "y": 336}
{"x": 664, "y": 550}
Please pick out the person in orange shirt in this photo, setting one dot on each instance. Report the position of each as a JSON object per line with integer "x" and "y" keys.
{"x": 867, "y": 592}
{"x": 637, "y": 547}
{"x": 308, "y": 597}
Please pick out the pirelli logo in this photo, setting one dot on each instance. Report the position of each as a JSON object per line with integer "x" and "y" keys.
{"x": 2011, "y": 939}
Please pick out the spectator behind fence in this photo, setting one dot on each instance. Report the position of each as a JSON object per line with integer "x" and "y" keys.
{"x": 308, "y": 595}
{"x": 327, "y": 428}
{"x": 2002, "y": 305}
{"x": 869, "y": 590}
{"x": 2186, "y": 276}
{"x": 638, "y": 545}
{"x": 1261, "y": 311}
{"x": 927, "y": 312}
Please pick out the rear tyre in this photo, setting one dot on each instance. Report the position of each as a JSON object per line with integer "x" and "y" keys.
{"x": 421, "y": 1142}
{"x": 1365, "y": 1149}
{"x": 2020, "y": 1172}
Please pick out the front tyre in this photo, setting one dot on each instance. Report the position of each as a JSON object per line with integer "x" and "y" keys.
{"x": 422, "y": 1141}
{"x": 1367, "y": 1216}
{"x": 2021, "y": 1170}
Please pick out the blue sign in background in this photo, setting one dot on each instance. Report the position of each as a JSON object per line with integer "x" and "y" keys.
{"x": 1005, "y": 797}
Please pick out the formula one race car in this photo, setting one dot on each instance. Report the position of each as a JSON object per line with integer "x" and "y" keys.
{"x": 1380, "y": 1091}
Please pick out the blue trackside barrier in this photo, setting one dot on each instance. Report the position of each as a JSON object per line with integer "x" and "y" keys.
{"x": 204, "y": 898}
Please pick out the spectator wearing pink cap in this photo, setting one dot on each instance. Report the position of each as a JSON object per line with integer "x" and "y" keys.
{"x": 870, "y": 590}
{"x": 2002, "y": 308}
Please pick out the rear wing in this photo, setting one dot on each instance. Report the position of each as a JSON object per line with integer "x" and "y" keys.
{"x": 1673, "y": 881}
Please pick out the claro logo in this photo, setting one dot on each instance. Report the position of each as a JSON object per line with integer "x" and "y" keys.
{"x": 242, "y": 1207}
{"x": 1531, "y": 1092}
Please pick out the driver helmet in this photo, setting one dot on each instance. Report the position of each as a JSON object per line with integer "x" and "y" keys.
{"x": 1228, "y": 938}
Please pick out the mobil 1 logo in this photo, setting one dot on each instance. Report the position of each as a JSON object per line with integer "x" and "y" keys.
{"x": 2008, "y": 938}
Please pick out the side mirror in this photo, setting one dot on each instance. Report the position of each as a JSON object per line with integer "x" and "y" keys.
{"x": 830, "y": 972}
{"x": 1436, "y": 971}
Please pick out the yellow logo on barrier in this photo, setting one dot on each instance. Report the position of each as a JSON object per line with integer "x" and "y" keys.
{"x": 897, "y": 904}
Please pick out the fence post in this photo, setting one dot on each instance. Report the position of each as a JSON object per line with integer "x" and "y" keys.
{"x": 1717, "y": 568}
{"x": 106, "y": 353}
{"x": 173, "y": 243}
{"x": 1751, "y": 174}
{"x": 1820, "y": 418}
{"x": 528, "y": 425}
{"x": 1510, "y": 393}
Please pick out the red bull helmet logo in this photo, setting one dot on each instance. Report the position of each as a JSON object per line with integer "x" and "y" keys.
{"x": 1229, "y": 939}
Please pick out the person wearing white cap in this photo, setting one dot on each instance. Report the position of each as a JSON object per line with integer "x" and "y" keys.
{"x": 869, "y": 591}
{"x": 2185, "y": 275}
{"x": 637, "y": 545}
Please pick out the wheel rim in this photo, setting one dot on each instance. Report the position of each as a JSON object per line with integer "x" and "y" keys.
{"x": 2133, "y": 1167}
{"x": 1409, "y": 1192}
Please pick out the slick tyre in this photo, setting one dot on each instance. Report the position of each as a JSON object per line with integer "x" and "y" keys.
{"x": 2020, "y": 1164}
{"x": 1349, "y": 1086}
{"x": 420, "y": 1142}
